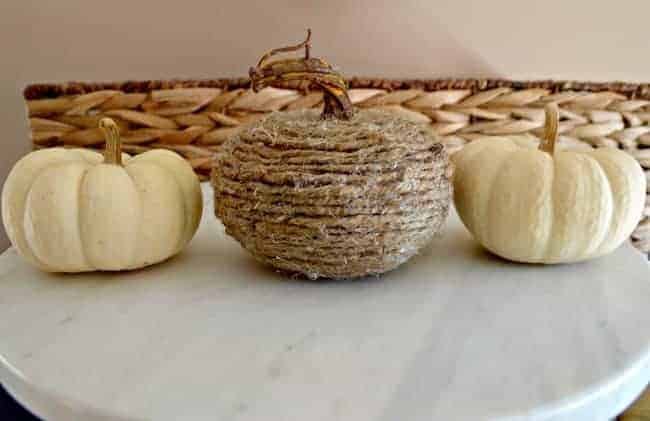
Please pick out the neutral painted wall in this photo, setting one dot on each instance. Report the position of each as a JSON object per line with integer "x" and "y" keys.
{"x": 92, "y": 40}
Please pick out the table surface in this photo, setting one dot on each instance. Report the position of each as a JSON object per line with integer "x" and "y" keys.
{"x": 454, "y": 334}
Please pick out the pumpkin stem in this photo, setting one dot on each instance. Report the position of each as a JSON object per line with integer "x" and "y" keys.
{"x": 113, "y": 149}
{"x": 307, "y": 71}
{"x": 550, "y": 128}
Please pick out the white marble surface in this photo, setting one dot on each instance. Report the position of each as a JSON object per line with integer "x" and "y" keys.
{"x": 455, "y": 334}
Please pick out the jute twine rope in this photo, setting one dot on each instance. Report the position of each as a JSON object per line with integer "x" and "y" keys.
{"x": 194, "y": 118}
{"x": 332, "y": 198}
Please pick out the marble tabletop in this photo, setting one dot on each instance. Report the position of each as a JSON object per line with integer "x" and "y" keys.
{"x": 455, "y": 334}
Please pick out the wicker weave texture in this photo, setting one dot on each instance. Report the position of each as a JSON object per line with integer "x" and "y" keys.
{"x": 194, "y": 118}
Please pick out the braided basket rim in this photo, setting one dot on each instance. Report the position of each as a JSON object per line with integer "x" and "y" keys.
{"x": 54, "y": 90}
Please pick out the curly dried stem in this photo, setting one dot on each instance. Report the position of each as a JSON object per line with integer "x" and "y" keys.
{"x": 306, "y": 43}
{"x": 314, "y": 71}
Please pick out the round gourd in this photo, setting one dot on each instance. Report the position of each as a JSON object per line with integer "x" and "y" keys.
{"x": 547, "y": 206}
{"x": 74, "y": 210}
{"x": 341, "y": 194}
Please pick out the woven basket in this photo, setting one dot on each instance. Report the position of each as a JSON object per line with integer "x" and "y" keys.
{"x": 194, "y": 117}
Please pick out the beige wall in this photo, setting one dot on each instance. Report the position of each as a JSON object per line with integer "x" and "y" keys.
{"x": 91, "y": 40}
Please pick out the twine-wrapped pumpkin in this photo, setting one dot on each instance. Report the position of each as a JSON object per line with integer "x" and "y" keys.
{"x": 342, "y": 194}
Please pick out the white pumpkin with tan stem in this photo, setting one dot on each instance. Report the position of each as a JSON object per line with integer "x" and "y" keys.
{"x": 547, "y": 206}
{"x": 74, "y": 210}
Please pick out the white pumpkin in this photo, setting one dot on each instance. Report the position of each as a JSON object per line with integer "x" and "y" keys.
{"x": 547, "y": 206}
{"x": 74, "y": 210}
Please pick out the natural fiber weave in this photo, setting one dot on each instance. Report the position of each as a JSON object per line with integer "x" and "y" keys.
{"x": 332, "y": 198}
{"x": 195, "y": 117}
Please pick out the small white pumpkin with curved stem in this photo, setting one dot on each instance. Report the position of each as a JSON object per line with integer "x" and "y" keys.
{"x": 74, "y": 210}
{"x": 547, "y": 206}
